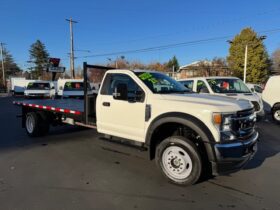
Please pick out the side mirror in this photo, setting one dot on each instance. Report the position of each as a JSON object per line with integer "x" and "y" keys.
{"x": 60, "y": 88}
{"x": 204, "y": 90}
{"x": 52, "y": 88}
{"x": 120, "y": 92}
{"x": 253, "y": 90}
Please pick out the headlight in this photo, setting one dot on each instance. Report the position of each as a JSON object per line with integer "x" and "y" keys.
{"x": 222, "y": 121}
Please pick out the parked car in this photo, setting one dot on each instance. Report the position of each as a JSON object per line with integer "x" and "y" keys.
{"x": 72, "y": 88}
{"x": 18, "y": 85}
{"x": 39, "y": 89}
{"x": 255, "y": 88}
{"x": 271, "y": 97}
{"x": 226, "y": 86}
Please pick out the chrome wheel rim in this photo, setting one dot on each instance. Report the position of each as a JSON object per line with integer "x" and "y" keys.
{"x": 30, "y": 124}
{"x": 277, "y": 115}
{"x": 176, "y": 162}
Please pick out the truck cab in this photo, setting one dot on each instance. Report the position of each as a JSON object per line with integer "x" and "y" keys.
{"x": 151, "y": 108}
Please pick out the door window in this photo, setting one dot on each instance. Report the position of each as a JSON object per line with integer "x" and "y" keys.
{"x": 188, "y": 84}
{"x": 134, "y": 92}
{"x": 258, "y": 89}
{"x": 201, "y": 87}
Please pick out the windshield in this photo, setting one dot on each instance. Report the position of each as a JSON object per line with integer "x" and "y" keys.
{"x": 38, "y": 86}
{"x": 228, "y": 85}
{"x": 161, "y": 83}
{"x": 74, "y": 86}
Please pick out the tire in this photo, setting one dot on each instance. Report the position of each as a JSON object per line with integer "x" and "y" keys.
{"x": 179, "y": 160}
{"x": 35, "y": 126}
{"x": 32, "y": 124}
{"x": 276, "y": 113}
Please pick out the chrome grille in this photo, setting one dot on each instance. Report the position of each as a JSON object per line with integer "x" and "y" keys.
{"x": 243, "y": 123}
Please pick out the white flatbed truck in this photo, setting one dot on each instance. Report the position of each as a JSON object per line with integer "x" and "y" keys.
{"x": 187, "y": 134}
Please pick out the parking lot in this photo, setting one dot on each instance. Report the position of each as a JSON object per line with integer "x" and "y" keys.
{"x": 72, "y": 169}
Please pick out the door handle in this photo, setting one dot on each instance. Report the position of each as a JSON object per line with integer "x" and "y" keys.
{"x": 106, "y": 103}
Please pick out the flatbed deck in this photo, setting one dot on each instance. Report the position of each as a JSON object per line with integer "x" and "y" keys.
{"x": 71, "y": 106}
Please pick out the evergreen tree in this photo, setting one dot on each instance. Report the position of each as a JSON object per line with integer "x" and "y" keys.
{"x": 257, "y": 60}
{"x": 173, "y": 62}
{"x": 39, "y": 56}
{"x": 11, "y": 68}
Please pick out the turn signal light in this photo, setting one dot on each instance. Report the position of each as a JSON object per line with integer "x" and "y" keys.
{"x": 217, "y": 118}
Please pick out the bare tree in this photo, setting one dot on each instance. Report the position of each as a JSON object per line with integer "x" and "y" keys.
{"x": 276, "y": 62}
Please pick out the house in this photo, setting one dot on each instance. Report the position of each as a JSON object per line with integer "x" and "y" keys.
{"x": 203, "y": 68}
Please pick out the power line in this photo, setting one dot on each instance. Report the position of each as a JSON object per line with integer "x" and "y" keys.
{"x": 169, "y": 46}
{"x": 219, "y": 23}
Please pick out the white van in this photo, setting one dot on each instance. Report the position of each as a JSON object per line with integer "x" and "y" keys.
{"x": 255, "y": 88}
{"x": 18, "y": 85}
{"x": 271, "y": 97}
{"x": 72, "y": 88}
{"x": 39, "y": 89}
{"x": 226, "y": 86}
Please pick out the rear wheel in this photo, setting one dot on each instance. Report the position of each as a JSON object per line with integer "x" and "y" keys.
{"x": 179, "y": 160}
{"x": 276, "y": 113}
{"x": 35, "y": 125}
{"x": 32, "y": 124}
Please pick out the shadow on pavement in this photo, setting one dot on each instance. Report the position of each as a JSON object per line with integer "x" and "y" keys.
{"x": 12, "y": 135}
{"x": 269, "y": 144}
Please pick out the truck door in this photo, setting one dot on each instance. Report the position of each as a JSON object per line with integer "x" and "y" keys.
{"x": 121, "y": 117}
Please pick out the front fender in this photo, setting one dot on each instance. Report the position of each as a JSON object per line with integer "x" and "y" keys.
{"x": 187, "y": 120}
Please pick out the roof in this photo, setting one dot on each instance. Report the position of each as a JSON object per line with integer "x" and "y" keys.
{"x": 135, "y": 70}
{"x": 196, "y": 63}
{"x": 143, "y": 70}
{"x": 38, "y": 81}
{"x": 212, "y": 77}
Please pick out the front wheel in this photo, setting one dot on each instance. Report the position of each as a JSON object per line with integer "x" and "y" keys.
{"x": 179, "y": 160}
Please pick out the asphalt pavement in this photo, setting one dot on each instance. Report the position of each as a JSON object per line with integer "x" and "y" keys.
{"x": 72, "y": 168}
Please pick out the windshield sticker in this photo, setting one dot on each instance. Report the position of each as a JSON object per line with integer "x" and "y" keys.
{"x": 68, "y": 84}
{"x": 212, "y": 82}
{"x": 147, "y": 76}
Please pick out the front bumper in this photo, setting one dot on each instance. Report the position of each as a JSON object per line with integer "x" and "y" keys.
{"x": 233, "y": 156}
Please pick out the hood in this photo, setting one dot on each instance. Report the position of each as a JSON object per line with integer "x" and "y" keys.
{"x": 73, "y": 93}
{"x": 37, "y": 91}
{"x": 247, "y": 96}
{"x": 220, "y": 102}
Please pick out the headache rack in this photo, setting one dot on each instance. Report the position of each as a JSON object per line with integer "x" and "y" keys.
{"x": 82, "y": 111}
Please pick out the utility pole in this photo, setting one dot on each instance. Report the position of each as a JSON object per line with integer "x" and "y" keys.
{"x": 72, "y": 67}
{"x": 3, "y": 67}
{"x": 245, "y": 63}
